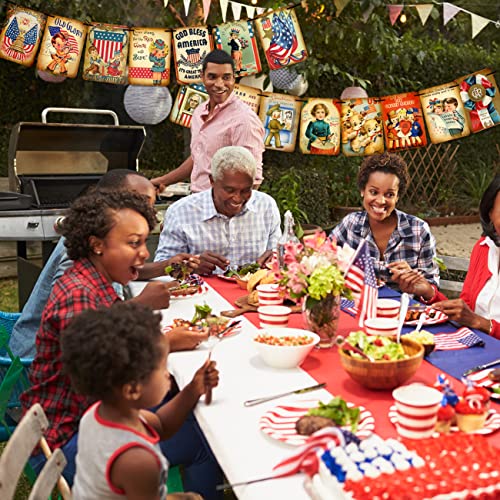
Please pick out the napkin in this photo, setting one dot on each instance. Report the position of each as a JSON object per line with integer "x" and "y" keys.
{"x": 348, "y": 306}
{"x": 463, "y": 338}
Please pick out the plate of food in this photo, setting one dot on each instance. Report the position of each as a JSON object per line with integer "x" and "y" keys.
{"x": 492, "y": 423}
{"x": 294, "y": 423}
{"x": 490, "y": 379}
{"x": 433, "y": 317}
{"x": 191, "y": 286}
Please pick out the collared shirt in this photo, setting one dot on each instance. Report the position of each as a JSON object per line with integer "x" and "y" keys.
{"x": 233, "y": 123}
{"x": 488, "y": 298}
{"x": 81, "y": 287}
{"x": 411, "y": 241}
{"x": 193, "y": 225}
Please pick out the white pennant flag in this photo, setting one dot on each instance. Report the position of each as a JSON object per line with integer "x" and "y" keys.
{"x": 478, "y": 23}
{"x": 424, "y": 10}
{"x": 165, "y": 3}
{"x": 206, "y": 9}
{"x": 260, "y": 10}
{"x": 250, "y": 11}
{"x": 223, "y": 8}
{"x": 236, "y": 8}
{"x": 186, "y": 6}
{"x": 449, "y": 12}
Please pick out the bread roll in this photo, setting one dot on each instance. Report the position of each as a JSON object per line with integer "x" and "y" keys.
{"x": 255, "y": 279}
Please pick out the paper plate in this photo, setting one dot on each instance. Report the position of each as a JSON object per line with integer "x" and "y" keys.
{"x": 491, "y": 425}
{"x": 279, "y": 422}
{"x": 481, "y": 378}
{"x": 201, "y": 291}
{"x": 226, "y": 278}
{"x": 439, "y": 317}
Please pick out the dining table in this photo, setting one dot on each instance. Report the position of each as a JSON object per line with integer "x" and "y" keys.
{"x": 243, "y": 450}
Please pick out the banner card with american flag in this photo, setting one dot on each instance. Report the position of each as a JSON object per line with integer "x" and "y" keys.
{"x": 149, "y": 56}
{"x": 280, "y": 115}
{"x": 187, "y": 100}
{"x": 463, "y": 338}
{"x": 361, "y": 127}
{"x": 248, "y": 95}
{"x": 444, "y": 113}
{"x": 320, "y": 127}
{"x": 106, "y": 54}
{"x": 281, "y": 37}
{"x": 238, "y": 38}
{"x": 21, "y": 35}
{"x": 360, "y": 278}
{"x": 62, "y": 46}
{"x": 191, "y": 45}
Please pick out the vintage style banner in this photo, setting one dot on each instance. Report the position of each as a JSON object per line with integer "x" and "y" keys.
{"x": 280, "y": 115}
{"x": 361, "y": 124}
{"x": 190, "y": 45}
{"x": 248, "y": 95}
{"x": 403, "y": 121}
{"x": 444, "y": 113}
{"x": 238, "y": 37}
{"x": 281, "y": 38}
{"x": 479, "y": 94}
{"x": 106, "y": 54}
{"x": 21, "y": 35}
{"x": 187, "y": 100}
{"x": 320, "y": 127}
{"x": 62, "y": 46}
{"x": 149, "y": 56}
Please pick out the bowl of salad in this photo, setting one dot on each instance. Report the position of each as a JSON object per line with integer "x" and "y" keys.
{"x": 390, "y": 364}
{"x": 284, "y": 347}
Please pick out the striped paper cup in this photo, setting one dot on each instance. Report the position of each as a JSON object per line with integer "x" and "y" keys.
{"x": 388, "y": 308}
{"x": 273, "y": 316}
{"x": 269, "y": 295}
{"x": 416, "y": 407}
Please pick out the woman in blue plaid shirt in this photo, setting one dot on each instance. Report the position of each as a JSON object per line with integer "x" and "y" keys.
{"x": 401, "y": 245}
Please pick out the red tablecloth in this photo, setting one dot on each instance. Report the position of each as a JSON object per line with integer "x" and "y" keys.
{"x": 324, "y": 366}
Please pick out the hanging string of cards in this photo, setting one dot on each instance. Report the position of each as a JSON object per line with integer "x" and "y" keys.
{"x": 322, "y": 126}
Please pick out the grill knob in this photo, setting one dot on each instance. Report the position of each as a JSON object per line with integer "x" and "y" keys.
{"x": 58, "y": 224}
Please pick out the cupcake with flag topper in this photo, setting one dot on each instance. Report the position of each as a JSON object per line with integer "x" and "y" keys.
{"x": 472, "y": 409}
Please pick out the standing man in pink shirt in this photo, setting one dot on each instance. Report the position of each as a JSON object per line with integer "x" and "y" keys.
{"x": 223, "y": 120}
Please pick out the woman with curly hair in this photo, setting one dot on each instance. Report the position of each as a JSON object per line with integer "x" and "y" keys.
{"x": 117, "y": 356}
{"x": 106, "y": 238}
{"x": 401, "y": 245}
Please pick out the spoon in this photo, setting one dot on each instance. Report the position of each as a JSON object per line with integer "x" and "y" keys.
{"x": 405, "y": 302}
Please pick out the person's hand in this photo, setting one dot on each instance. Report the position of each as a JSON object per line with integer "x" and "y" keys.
{"x": 458, "y": 310}
{"x": 186, "y": 338}
{"x": 156, "y": 294}
{"x": 206, "y": 377}
{"x": 193, "y": 261}
{"x": 264, "y": 258}
{"x": 159, "y": 183}
{"x": 209, "y": 261}
{"x": 410, "y": 280}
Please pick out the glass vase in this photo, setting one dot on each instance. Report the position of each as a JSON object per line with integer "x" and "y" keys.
{"x": 322, "y": 318}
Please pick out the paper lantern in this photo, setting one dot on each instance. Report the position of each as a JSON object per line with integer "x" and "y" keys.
{"x": 353, "y": 93}
{"x": 288, "y": 79}
{"x": 49, "y": 77}
{"x": 147, "y": 105}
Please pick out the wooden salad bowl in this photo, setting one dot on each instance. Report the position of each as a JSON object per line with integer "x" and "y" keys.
{"x": 384, "y": 374}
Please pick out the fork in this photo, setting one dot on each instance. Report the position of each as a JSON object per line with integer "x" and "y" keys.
{"x": 213, "y": 341}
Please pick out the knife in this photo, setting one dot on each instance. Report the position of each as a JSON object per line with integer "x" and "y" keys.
{"x": 481, "y": 367}
{"x": 253, "y": 402}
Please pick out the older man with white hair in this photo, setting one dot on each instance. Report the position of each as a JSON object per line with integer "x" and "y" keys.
{"x": 230, "y": 224}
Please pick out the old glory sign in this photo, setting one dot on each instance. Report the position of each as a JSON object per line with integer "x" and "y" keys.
{"x": 191, "y": 45}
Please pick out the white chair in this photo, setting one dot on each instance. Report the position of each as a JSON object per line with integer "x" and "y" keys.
{"x": 26, "y": 436}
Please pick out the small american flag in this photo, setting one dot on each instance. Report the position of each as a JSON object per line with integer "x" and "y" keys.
{"x": 361, "y": 278}
{"x": 463, "y": 338}
{"x": 193, "y": 55}
{"x": 70, "y": 39}
{"x": 348, "y": 306}
{"x": 29, "y": 42}
{"x": 284, "y": 41}
{"x": 107, "y": 43}
{"x": 266, "y": 23}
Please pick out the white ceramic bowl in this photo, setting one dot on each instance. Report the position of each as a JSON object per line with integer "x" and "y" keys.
{"x": 381, "y": 326}
{"x": 388, "y": 308}
{"x": 285, "y": 356}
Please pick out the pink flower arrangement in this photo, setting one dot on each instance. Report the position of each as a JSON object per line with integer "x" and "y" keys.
{"x": 314, "y": 269}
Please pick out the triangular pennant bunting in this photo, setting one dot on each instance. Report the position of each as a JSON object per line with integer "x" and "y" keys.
{"x": 186, "y": 6}
{"x": 340, "y": 5}
{"x": 223, "y": 8}
{"x": 165, "y": 3}
{"x": 478, "y": 23}
{"x": 250, "y": 11}
{"x": 424, "y": 10}
{"x": 394, "y": 11}
{"x": 449, "y": 12}
{"x": 236, "y": 8}
{"x": 206, "y": 9}
{"x": 260, "y": 11}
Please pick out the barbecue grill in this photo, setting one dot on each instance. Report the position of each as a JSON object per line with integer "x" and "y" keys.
{"x": 50, "y": 164}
